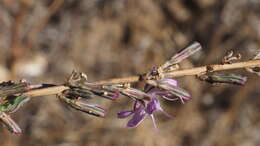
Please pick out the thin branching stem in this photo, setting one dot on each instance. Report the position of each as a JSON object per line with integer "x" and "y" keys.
{"x": 178, "y": 73}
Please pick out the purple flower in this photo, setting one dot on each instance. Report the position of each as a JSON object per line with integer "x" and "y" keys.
{"x": 140, "y": 111}
{"x": 166, "y": 88}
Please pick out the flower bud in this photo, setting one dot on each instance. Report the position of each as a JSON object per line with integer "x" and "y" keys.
{"x": 10, "y": 123}
{"x": 183, "y": 54}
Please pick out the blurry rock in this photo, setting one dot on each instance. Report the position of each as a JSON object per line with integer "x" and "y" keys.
{"x": 206, "y": 3}
{"x": 33, "y": 66}
{"x": 4, "y": 73}
{"x": 179, "y": 11}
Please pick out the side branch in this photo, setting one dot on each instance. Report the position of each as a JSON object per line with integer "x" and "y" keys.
{"x": 190, "y": 72}
{"x": 212, "y": 68}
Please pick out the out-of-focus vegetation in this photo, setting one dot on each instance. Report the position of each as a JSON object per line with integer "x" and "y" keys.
{"x": 44, "y": 40}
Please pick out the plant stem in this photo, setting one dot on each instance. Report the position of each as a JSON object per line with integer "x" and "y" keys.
{"x": 46, "y": 91}
{"x": 213, "y": 68}
{"x": 178, "y": 73}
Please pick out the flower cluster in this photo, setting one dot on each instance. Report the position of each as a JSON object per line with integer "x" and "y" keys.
{"x": 80, "y": 91}
{"x": 158, "y": 85}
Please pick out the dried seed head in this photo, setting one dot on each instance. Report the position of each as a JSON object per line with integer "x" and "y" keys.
{"x": 76, "y": 79}
{"x": 230, "y": 57}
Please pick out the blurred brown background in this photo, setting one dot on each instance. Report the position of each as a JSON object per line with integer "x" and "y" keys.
{"x": 44, "y": 40}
